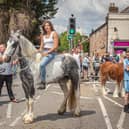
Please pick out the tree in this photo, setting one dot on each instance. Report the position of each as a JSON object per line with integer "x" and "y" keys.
{"x": 25, "y": 15}
{"x": 64, "y": 43}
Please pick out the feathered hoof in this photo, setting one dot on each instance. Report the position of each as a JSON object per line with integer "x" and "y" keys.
{"x": 28, "y": 118}
{"x": 115, "y": 95}
{"x": 61, "y": 112}
{"x": 77, "y": 114}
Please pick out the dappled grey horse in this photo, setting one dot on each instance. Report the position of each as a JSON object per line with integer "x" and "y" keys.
{"x": 65, "y": 71}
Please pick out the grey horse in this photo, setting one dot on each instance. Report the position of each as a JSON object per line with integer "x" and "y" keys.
{"x": 67, "y": 74}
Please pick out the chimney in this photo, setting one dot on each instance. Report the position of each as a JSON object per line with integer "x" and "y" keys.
{"x": 113, "y": 8}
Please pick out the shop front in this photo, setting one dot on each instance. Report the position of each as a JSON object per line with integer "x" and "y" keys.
{"x": 120, "y": 46}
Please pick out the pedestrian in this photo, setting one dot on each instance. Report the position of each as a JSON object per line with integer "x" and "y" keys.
{"x": 76, "y": 55}
{"x": 6, "y": 75}
{"x": 49, "y": 42}
{"x": 85, "y": 65}
{"x": 126, "y": 83}
{"x": 96, "y": 65}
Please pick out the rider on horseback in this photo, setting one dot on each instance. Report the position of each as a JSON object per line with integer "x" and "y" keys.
{"x": 48, "y": 45}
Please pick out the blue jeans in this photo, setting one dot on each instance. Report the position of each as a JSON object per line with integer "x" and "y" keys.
{"x": 45, "y": 60}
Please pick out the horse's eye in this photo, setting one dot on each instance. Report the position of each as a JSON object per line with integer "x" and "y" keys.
{"x": 18, "y": 36}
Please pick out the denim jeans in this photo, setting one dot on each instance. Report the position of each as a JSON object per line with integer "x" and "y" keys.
{"x": 45, "y": 60}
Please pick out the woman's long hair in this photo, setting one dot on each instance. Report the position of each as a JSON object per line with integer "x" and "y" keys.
{"x": 43, "y": 26}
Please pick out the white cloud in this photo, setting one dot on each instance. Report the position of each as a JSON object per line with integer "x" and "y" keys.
{"x": 89, "y": 13}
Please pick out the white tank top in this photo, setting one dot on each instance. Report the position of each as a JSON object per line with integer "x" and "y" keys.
{"x": 48, "y": 42}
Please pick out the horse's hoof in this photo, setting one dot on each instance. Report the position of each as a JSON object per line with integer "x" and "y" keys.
{"x": 115, "y": 95}
{"x": 61, "y": 112}
{"x": 28, "y": 118}
{"x": 29, "y": 121}
{"x": 77, "y": 114}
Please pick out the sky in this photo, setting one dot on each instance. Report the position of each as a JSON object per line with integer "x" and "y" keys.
{"x": 89, "y": 14}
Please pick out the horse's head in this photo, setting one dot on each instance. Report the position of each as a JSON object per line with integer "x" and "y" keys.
{"x": 12, "y": 45}
{"x": 19, "y": 45}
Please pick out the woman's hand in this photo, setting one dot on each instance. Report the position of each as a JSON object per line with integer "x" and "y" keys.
{"x": 44, "y": 54}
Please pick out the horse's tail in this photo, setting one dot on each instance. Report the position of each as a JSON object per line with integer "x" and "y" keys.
{"x": 72, "y": 99}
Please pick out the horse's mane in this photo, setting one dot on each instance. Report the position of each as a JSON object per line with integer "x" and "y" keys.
{"x": 27, "y": 48}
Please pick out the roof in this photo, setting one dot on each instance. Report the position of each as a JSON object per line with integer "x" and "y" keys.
{"x": 126, "y": 10}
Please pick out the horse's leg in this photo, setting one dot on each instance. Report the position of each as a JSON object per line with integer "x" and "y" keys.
{"x": 117, "y": 89}
{"x": 75, "y": 94}
{"x": 122, "y": 91}
{"x": 28, "y": 86}
{"x": 64, "y": 88}
{"x": 103, "y": 83}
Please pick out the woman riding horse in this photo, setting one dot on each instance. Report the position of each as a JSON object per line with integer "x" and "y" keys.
{"x": 48, "y": 46}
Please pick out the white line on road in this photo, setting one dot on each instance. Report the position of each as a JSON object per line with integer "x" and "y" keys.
{"x": 3, "y": 122}
{"x": 96, "y": 82}
{"x": 111, "y": 100}
{"x": 105, "y": 115}
{"x": 9, "y": 110}
{"x": 15, "y": 121}
{"x": 47, "y": 87}
{"x": 121, "y": 120}
{"x": 95, "y": 88}
{"x": 82, "y": 97}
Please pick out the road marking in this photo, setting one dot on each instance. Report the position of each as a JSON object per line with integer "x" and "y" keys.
{"x": 95, "y": 88}
{"x": 82, "y": 97}
{"x": 47, "y": 87}
{"x": 105, "y": 115}
{"x": 58, "y": 93}
{"x": 111, "y": 100}
{"x": 121, "y": 120}
{"x": 15, "y": 121}
{"x": 37, "y": 97}
{"x": 9, "y": 110}
{"x": 96, "y": 82}
{"x": 3, "y": 122}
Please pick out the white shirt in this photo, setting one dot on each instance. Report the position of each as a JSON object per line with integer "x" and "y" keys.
{"x": 48, "y": 42}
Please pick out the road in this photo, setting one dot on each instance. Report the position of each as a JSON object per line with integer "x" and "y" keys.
{"x": 97, "y": 111}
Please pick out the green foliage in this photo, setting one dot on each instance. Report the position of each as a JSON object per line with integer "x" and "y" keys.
{"x": 36, "y": 7}
{"x": 64, "y": 43}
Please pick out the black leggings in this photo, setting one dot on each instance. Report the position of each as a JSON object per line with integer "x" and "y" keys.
{"x": 8, "y": 80}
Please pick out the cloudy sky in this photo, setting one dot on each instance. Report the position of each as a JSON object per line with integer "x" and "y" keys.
{"x": 89, "y": 14}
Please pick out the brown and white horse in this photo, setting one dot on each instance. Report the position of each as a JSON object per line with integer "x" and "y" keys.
{"x": 114, "y": 71}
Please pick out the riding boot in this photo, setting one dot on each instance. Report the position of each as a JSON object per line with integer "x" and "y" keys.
{"x": 42, "y": 86}
{"x": 126, "y": 108}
